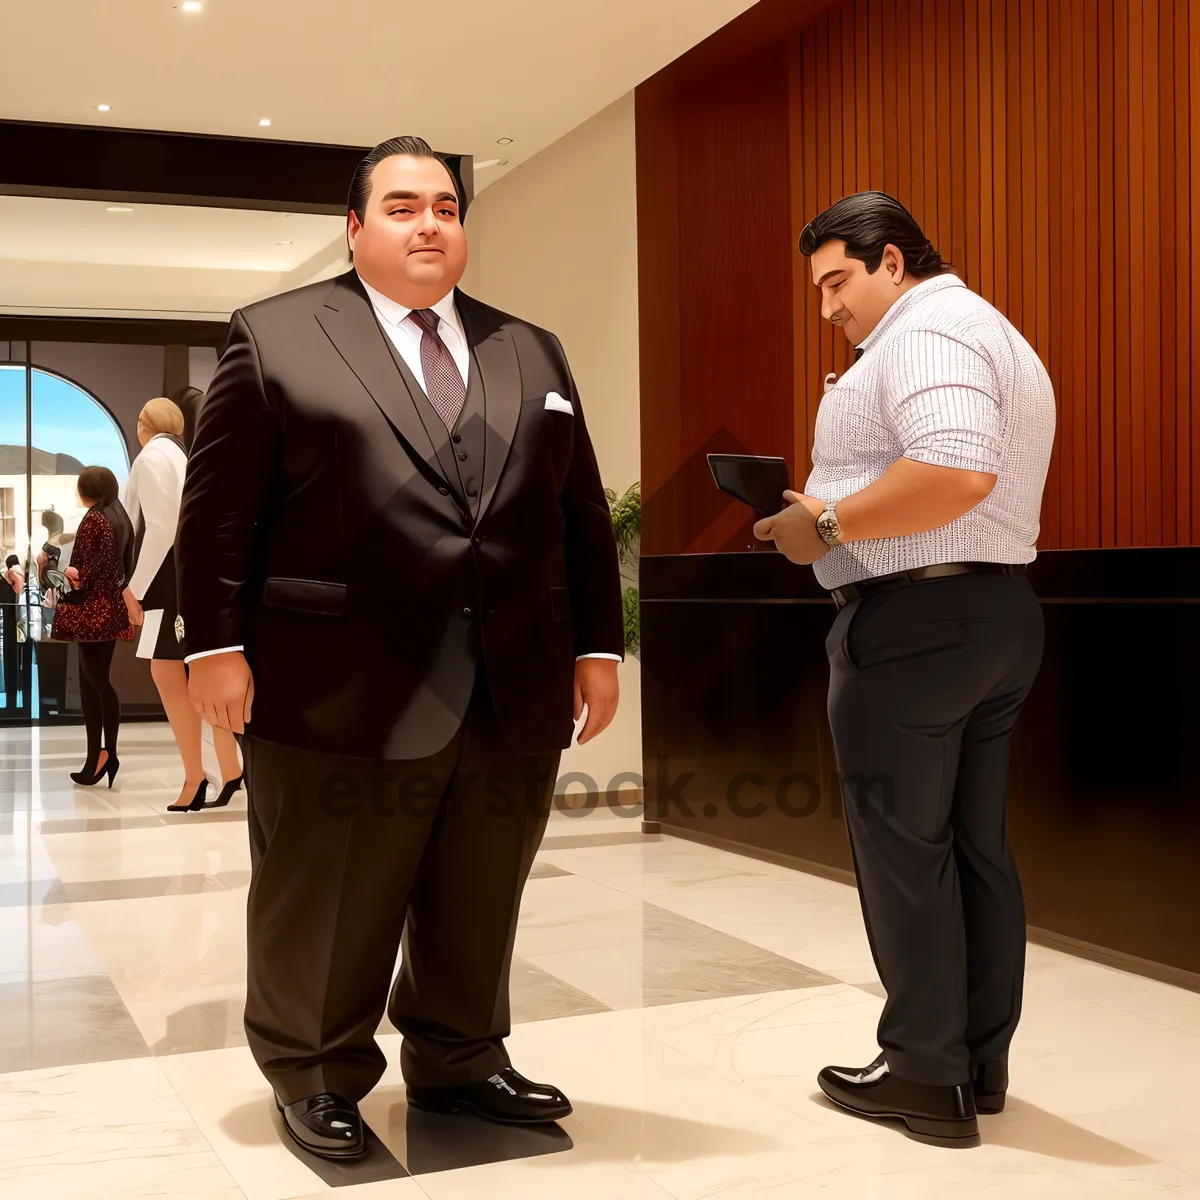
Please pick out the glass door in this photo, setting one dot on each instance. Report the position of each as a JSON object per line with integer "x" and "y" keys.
{"x": 16, "y": 631}
{"x": 50, "y": 429}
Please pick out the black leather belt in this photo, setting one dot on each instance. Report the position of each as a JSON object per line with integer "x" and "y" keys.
{"x": 899, "y": 579}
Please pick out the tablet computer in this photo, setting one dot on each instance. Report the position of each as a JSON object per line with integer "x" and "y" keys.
{"x": 753, "y": 479}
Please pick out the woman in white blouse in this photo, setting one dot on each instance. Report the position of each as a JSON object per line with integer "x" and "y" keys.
{"x": 152, "y": 501}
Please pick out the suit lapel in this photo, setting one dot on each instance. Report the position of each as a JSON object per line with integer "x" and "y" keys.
{"x": 349, "y": 322}
{"x": 500, "y": 374}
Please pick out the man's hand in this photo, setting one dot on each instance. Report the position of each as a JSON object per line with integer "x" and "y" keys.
{"x": 221, "y": 689}
{"x": 133, "y": 607}
{"x": 596, "y": 686}
{"x": 794, "y": 529}
{"x": 71, "y": 575}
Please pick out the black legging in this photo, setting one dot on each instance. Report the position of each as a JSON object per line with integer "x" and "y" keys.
{"x": 98, "y": 698}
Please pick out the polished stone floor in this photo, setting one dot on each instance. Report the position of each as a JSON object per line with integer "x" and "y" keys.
{"x": 684, "y": 997}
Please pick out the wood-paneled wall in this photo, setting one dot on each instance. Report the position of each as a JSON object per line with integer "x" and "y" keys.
{"x": 1050, "y": 148}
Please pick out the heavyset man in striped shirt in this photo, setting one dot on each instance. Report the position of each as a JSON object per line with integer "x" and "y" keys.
{"x": 920, "y": 515}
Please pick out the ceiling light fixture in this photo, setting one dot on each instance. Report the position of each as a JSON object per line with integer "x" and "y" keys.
{"x": 117, "y": 208}
{"x": 491, "y": 162}
{"x": 283, "y": 243}
{"x": 265, "y": 122}
{"x": 192, "y": 6}
{"x": 504, "y": 141}
{"x": 104, "y": 108}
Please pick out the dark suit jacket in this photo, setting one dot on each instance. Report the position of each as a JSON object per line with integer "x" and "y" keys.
{"x": 319, "y": 529}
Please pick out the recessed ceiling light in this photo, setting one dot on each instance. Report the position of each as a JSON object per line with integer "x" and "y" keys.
{"x": 491, "y": 162}
{"x": 265, "y": 122}
{"x": 104, "y": 108}
{"x": 504, "y": 141}
{"x": 192, "y": 6}
{"x": 283, "y": 243}
{"x": 118, "y": 208}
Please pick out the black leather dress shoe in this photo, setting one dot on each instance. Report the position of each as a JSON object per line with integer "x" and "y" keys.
{"x": 325, "y": 1125}
{"x": 939, "y": 1116}
{"x": 990, "y": 1085}
{"x": 507, "y": 1098}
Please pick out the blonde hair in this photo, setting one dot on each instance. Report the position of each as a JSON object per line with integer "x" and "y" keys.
{"x": 163, "y": 416}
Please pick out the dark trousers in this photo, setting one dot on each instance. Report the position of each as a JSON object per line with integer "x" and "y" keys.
{"x": 353, "y": 860}
{"x": 98, "y": 698}
{"x": 926, "y": 683}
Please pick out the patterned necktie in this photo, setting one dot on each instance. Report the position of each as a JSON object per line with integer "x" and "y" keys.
{"x": 443, "y": 383}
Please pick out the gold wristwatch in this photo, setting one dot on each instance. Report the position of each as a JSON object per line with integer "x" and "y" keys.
{"x": 828, "y": 527}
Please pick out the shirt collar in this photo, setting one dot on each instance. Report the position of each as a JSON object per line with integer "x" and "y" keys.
{"x": 395, "y": 313}
{"x": 926, "y": 287}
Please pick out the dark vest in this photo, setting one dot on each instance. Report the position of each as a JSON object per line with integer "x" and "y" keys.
{"x": 460, "y": 452}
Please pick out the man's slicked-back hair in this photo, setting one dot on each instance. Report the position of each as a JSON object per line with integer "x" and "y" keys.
{"x": 415, "y": 147}
{"x": 869, "y": 222}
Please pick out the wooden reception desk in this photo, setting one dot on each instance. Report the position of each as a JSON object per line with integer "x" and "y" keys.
{"x": 1105, "y": 789}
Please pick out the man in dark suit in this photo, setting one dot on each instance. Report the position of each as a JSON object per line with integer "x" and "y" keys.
{"x": 398, "y": 579}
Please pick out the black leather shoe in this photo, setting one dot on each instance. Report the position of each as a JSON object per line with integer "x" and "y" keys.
{"x": 325, "y": 1125}
{"x": 990, "y": 1085}
{"x": 507, "y": 1098}
{"x": 939, "y": 1116}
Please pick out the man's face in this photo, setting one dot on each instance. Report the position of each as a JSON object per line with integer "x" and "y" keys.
{"x": 851, "y": 298}
{"x": 411, "y": 245}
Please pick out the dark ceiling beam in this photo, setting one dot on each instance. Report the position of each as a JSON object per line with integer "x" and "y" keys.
{"x": 118, "y": 166}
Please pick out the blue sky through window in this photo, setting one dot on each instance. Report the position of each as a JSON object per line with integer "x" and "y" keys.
{"x": 66, "y": 420}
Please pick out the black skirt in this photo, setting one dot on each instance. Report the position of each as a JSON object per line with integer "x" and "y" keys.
{"x": 162, "y": 596}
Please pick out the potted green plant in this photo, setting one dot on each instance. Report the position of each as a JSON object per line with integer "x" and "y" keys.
{"x": 626, "y": 512}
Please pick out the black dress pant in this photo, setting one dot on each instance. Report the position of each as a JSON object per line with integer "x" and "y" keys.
{"x": 353, "y": 860}
{"x": 926, "y": 683}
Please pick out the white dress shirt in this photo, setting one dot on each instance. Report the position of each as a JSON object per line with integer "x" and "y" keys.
{"x": 406, "y": 336}
{"x": 943, "y": 379}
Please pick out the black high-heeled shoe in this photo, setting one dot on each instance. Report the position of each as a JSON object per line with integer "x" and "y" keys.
{"x": 226, "y": 793}
{"x": 195, "y": 804}
{"x": 89, "y": 776}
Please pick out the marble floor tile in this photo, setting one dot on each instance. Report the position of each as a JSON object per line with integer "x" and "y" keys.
{"x": 24, "y": 858}
{"x": 628, "y": 954}
{"x": 163, "y": 820}
{"x": 113, "y": 1129}
{"x": 545, "y": 870}
{"x": 62, "y": 1020}
{"x": 155, "y": 886}
{"x": 40, "y": 941}
{"x": 189, "y": 848}
{"x": 391, "y": 1189}
{"x": 233, "y": 1107}
{"x": 178, "y": 962}
{"x": 536, "y": 995}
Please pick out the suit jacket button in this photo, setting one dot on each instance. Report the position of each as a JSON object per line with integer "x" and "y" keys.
{"x": 457, "y": 438}
{"x": 443, "y": 491}
{"x": 462, "y": 456}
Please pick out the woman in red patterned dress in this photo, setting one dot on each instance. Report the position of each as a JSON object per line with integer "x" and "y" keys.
{"x": 93, "y": 614}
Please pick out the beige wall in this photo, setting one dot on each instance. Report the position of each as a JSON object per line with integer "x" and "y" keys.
{"x": 555, "y": 242}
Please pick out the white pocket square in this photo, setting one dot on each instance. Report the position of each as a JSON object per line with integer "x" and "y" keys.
{"x": 558, "y": 404}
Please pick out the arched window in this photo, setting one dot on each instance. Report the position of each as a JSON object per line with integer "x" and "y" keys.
{"x": 43, "y": 447}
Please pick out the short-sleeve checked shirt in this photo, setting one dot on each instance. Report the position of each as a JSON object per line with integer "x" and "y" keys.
{"x": 943, "y": 379}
